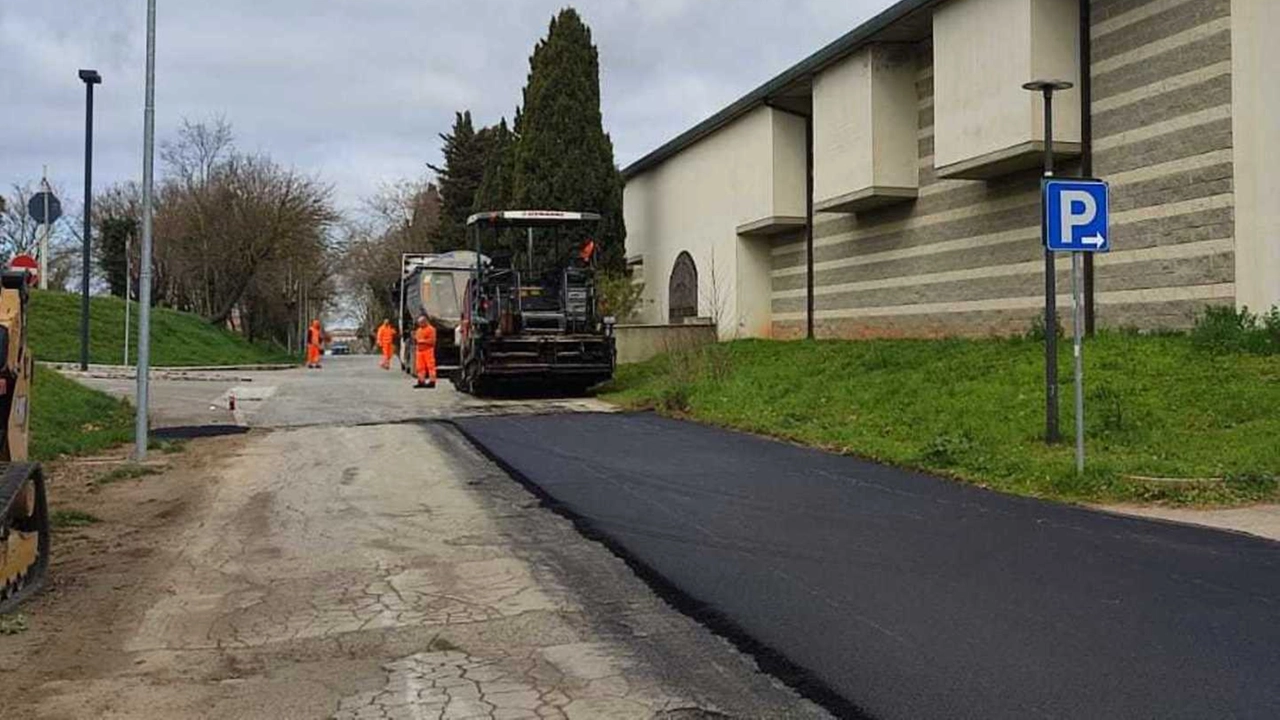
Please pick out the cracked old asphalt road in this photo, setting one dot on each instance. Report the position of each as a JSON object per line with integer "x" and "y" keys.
{"x": 344, "y": 563}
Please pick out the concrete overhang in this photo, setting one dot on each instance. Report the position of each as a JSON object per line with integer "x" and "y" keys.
{"x": 1025, "y": 156}
{"x": 866, "y": 199}
{"x": 773, "y": 225}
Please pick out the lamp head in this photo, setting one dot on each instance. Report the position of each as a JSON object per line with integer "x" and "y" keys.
{"x": 1048, "y": 85}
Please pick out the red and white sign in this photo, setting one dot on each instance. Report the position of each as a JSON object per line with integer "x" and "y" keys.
{"x": 25, "y": 262}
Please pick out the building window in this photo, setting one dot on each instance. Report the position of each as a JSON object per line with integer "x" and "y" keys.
{"x": 682, "y": 290}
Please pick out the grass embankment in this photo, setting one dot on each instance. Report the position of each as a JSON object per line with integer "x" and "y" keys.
{"x": 177, "y": 339}
{"x": 68, "y": 418}
{"x": 1156, "y": 407}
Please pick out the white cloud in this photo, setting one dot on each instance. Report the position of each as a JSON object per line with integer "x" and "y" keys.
{"x": 357, "y": 90}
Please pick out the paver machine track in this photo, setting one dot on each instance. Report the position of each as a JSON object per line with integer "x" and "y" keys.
{"x": 24, "y": 533}
{"x": 24, "y": 506}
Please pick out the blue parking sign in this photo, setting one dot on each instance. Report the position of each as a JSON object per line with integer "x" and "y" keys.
{"x": 1075, "y": 214}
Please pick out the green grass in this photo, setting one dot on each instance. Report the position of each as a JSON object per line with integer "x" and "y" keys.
{"x": 13, "y": 624}
{"x": 130, "y": 471}
{"x": 1156, "y": 407}
{"x": 63, "y": 519}
{"x": 68, "y": 418}
{"x": 177, "y": 339}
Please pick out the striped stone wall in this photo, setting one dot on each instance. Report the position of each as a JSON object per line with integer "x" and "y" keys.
{"x": 965, "y": 258}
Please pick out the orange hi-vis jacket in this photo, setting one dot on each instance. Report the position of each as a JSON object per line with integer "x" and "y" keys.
{"x": 424, "y": 360}
{"x": 386, "y": 335}
{"x": 425, "y": 338}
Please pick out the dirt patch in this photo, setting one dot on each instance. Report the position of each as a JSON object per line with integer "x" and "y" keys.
{"x": 102, "y": 575}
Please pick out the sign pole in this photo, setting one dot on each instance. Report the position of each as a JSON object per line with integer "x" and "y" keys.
{"x": 1078, "y": 351}
{"x": 1077, "y": 221}
{"x": 44, "y": 237}
{"x": 128, "y": 292}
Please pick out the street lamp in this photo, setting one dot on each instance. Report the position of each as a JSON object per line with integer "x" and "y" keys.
{"x": 1051, "y": 433}
{"x": 141, "y": 424}
{"x": 90, "y": 78}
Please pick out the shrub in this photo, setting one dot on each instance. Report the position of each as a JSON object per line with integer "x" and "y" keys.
{"x": 1036, "y": 331}
{"x": 620, "y": 296}
{"x": 674, "y": 397}
{"x": 947, "y": 449}
{"x": 1224, "y": 329}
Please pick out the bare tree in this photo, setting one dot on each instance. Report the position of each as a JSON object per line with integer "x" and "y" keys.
{"x": 199, "y": 148}
{"x": 400, "y": 218}
{"x": 716, "y": 296}
{"x": 19, "y": 232}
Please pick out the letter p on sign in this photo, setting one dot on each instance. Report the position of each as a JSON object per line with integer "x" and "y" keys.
{"x": 1076, "y": 216}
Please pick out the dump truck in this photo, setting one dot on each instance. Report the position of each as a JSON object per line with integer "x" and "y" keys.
{"x": 24, "y": 508}
{"x": 530, "y": 315}
{"x": 434, "y": 284}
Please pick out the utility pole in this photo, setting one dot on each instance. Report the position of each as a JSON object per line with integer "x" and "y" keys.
{"x": 90, "y": 78}
{"x": 141, "y": 427}
{"x": 1051, "y": 432}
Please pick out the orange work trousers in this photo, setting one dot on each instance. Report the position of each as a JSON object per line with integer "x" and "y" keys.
{"x": 313, "y": 354}
{"x": 426, "y": 365}
{"x": 387, "y": 351}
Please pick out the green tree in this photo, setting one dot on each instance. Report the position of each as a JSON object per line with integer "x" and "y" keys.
{"x": 495, "y": 191}
{"x": 115, "y": 236}
{"x": 564, "y": 158}
{"x": 465, "y": 152}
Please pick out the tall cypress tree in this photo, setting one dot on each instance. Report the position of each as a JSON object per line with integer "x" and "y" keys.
{"x": 495, "y": 192}
{"x": 464, "y": 153}
{"x": 564, "y": 159}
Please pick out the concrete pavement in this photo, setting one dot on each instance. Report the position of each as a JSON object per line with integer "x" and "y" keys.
{"x": 350, "y": 390}
{"x": 908, "y": 596}
{"x": 1260, "y": 520}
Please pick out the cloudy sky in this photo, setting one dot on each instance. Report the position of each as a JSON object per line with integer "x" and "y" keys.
{"x": 356, "y": 91}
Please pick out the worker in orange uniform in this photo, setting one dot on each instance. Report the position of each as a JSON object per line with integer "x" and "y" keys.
{"x": 315, "y": 342}
{"x": 424, "y": 339}
{"x": 387, "y": 342}
{"x": 587, "y": 252}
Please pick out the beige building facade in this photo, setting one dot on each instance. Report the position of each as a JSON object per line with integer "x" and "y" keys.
{"x": 888, "y": 185}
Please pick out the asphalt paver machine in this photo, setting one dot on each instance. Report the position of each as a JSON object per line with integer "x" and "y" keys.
{"x": 531, "y": 317}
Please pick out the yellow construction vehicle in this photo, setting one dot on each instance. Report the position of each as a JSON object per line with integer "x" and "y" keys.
{"x": 24, "y": 508}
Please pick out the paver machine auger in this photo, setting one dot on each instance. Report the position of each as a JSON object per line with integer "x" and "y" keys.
{"x": 24, "y": 509}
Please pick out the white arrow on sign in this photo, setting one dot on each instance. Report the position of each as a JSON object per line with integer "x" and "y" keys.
{"x": 1095, "y": 240}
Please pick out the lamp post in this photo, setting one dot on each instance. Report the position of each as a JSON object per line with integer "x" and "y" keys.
{"x": 141, "y": 423}
{"x": 1051, "y": 433}
{"x": 90, "y": 78}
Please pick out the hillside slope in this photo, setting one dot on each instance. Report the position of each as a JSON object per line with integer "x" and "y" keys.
{"x": 176, "y": 338}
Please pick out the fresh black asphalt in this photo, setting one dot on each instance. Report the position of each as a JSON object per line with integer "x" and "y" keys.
{"x": 914, "y": 597}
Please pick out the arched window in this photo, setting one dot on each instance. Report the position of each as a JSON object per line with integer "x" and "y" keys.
{"x": 682, "y": 291}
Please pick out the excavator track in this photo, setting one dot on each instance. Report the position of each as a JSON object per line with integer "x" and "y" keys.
{"x": 24, "y": 532}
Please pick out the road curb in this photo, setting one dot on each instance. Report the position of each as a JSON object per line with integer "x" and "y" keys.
{"x": 210, "y": 373}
